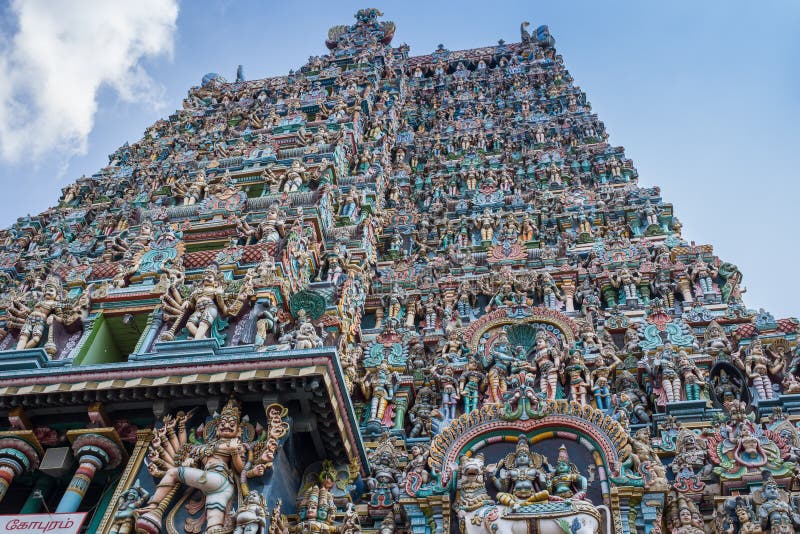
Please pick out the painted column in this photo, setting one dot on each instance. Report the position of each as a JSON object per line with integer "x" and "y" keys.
{"x": 20, "y": 452}
{"x": 400, "y": 407}
{"x": 685, "y": 287}
{"x": 41, "y": 488}
{"x": 568, "y": 288}
{"x": 94, "y": 451}
{"x": 154, "y": 323}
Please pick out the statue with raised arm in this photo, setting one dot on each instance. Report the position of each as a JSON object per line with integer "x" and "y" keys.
{"x": 217, "y": 462}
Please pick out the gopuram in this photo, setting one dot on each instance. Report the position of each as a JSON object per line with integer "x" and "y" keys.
{"x": 386, "y": 294}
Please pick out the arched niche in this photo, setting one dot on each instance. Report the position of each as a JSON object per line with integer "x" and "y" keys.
{"x": 599, "y": 434}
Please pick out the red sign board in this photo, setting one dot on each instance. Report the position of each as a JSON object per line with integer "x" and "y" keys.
{"x": 42, "y": 523}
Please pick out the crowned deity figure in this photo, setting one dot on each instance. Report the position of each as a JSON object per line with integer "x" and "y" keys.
{"x": 774, "y": 512}
{"x": 566, "y": 482}
{"x": 207, "y": 301}
{"x": 218, "y": 465}
{"x": 547, "y": 360}
{"x": 521, "y": 477}
{"x": 316, "y": 507}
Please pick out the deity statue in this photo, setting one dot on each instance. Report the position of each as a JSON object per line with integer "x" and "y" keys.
{"x": 739, "y": 517}
{"x": 192, "y": 193}
{"x": 251, "y": 517}
{"x": 702, "y": 273}
{"x": 691, "y": 460}
{"x": 758, "y": 367}
{"x": 449, "y": 389}
{"x": 266, "y": 324}
{"x": 640, "y": 464}
{"x": 551, "y": 294}
{"x": 127, "y": 503}
{"x": 422, "y": 413}
{"x": 566, "y": 482}
{"x": 305, "y": 337}
{"x": 470, "y": 385}
{"x": 207, "y": 302}
{"x": 500, "y": 362}
{"x": 385, "y": 475}
{"x": 684, "y": 518}
{"x": 547, "y": 361}
{"x": 34, "y": 313}
{"x": 715, "y": 341}
{"x": 351, "y": 524}
{"x": 693, "y": 379}
{"x": 294, "y": 177}
{"x": 521, "y": 476}
{"x": 664, "y": 369}
{"x": 774, "y": 511}
{"x": 228, "y": 453}
{"x": 577, "y": 378}
{"x": 379, "y": 386}
{"x": 316, "y": 508}
{"x": 600, "y": 386}
{"x": 628, "y": 281}
{"x": 479, "y": 514}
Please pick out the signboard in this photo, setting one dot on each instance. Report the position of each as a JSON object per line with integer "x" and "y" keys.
{"x": 42, "y": 523}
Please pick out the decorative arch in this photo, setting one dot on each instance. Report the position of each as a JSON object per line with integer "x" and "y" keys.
{"x": 566, "y": 327}
{"x": 468, "y": 434}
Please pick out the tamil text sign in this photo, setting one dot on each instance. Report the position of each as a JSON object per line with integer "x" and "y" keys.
{"x": 42, "y": 523}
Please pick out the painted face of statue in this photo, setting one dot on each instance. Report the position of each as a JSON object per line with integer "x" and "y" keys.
{"x": 685, "y": 516}
{"x": 228, "y": 427}
{"x": 771, "y": 491}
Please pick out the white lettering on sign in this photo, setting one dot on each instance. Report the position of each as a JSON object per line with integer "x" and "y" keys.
{"x": 42, "y": 523}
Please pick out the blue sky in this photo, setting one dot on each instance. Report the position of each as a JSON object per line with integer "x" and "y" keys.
{"x": 703, "y": 95}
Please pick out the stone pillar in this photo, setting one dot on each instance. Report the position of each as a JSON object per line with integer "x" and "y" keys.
{"x": 95, "y": 449}
{"x": 379, "y": 317}
{"x": 400, "y": 408}
{"x": 568, "y": 288}
{"x": 154, "y": 323}
{"x": 685, "y": 287}
{"x": 411, "y": 317}
{"x": 20, "y": 452}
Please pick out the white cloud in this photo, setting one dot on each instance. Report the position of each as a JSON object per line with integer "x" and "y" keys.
{"x": 62, "y": 54}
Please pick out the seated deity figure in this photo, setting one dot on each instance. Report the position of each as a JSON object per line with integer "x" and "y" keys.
{"x": 521, "y": 477}
{"x": 251, "y": 517}
{"x": 566, "y": 482}
{"x": 715, "y": 341}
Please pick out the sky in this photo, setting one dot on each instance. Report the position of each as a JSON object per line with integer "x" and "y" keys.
{"x": 703, "y": 95}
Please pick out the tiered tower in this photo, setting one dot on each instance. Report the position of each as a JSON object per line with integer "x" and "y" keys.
{"x": 387, "y": 293}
